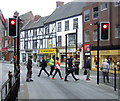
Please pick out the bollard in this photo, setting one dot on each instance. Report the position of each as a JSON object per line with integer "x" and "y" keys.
{"x": 10, "y": 77}
{"x": 115, "y": 79}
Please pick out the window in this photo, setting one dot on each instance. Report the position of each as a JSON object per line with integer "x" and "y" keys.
{"x": 34, "y": 44}
{"x": 59, "y": 40}
{"x": 47, "y": 29}
{"x": 71, "y": 39}
{"x": 95, "y": 12}
{"x": 66, "y": 25}
{"x": 87, "y": 36}
{"x": 75, "y": 23}
{"x": 86, "y": 15}
{"x": 35, "y": 33}
{"x": 59, "y": 27}
{"x": 117, "y": 31}
{"x": 95, "y": 35}
{"x": 26, "y": 45}
{"x": 117, "y": 3}
{"x": 104, "y": 6}
{"x": 26, "y": 34}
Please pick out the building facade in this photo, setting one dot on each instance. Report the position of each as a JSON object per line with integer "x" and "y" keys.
{"x": 49, "y": 34}
{"x": 109, "y": 49}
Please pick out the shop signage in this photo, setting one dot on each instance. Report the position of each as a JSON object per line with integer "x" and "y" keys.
{"x": 44, "y": 51}
{"x": 87, "y": 47}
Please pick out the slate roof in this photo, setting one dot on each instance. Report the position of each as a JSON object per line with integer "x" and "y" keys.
{"x": 35, "y": 24}
{"x": 67, "y": 10}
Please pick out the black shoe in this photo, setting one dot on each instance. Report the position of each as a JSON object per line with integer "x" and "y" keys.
{"x": 31, "y": 80}
{"x": 38, "y": 75}
{"x": 48, "y": 75}
{"x": 76, "y": 79}
{"x": 27, "y": 81}
{"x": 65, "y": 80}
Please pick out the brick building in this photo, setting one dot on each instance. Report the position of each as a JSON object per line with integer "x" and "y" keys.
{"x": 102, "y": 12}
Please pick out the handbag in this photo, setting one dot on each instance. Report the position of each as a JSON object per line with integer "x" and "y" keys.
{"x": 85, "y": 72}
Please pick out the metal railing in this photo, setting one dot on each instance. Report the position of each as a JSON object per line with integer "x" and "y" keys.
{"x": 9, "y": 90}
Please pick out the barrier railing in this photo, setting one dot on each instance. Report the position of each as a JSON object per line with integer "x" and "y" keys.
{"x": 9, "y": 90}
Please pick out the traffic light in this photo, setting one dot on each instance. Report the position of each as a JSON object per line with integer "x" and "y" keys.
{"x": 12, "y": 27}
{"x": 105, "y": 30}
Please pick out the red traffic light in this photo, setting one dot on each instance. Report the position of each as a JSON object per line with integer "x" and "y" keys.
{"x": 105, "y": 26}
{"x": 12, "y": 22}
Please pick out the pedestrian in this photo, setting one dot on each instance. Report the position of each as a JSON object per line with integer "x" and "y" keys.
{"x": 29, "y": 69}
{"x": 43, "y": 65}
{"x": 70, "y": 69}
{"x": 88, "y": 68}
{"x": 52, "y": 65}
{"x": 105, "y": 70}
{"x": 57, "y": 69}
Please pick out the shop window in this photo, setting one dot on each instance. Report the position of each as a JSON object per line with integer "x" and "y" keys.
{"x": 95, "y": 35}
{"x": 95, "y": 12}
{"x": 66, "y": 25}
{"x": 104, "y": 6}
{"x": 86, "y": 15}
{"x": 59, "y": 27}
{"x": 59, "y": 40}
{"x": 86, "y": 36}
{"x": 75, "y": 23}
{"x": 117, "y": 31}
{"x": 71, "y": 39}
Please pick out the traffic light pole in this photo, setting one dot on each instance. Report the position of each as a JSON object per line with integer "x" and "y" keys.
{"x": 18, "y": 42}
{"x": 66, "y": 53}
{"x": 98, "y": 26}
{"x": 14, "y": 54}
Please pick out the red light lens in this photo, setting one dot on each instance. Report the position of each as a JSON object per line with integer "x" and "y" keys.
{"x": 12, "y": 22}
{"x": 105, "y": 26}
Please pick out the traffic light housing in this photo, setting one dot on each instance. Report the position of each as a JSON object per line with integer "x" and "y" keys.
{"x": 12, "y": 24}
{"x": 105, "y": 30}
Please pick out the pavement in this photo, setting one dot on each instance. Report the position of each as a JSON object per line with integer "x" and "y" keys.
{"x": 45, "y": 88}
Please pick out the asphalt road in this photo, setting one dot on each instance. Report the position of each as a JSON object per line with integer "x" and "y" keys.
{"x": 45, "y": 88}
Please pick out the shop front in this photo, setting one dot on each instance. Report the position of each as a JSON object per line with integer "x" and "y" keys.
{"x": 47, "y": 54}
{"x": 112, "y": 56}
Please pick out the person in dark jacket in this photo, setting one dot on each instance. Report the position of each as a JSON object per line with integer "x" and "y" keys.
{"x": 43, "y": 65}
{"x": 88, "y": 68}
{"x": 29, "y": 69}
{"x": 70, "y": 69}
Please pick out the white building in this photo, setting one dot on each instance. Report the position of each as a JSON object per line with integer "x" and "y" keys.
{"x": 45, "y": 36}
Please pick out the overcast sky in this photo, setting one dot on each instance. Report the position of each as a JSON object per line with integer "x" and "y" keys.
{"x": 38, "y": 7}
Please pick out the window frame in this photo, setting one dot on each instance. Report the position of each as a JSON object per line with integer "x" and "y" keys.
{"x": 102, "y": 9}
{"x": 95, "y": 13}
{"x": 86, "y": 14}
{"x": 87, "y": 36}
{"x": 67, "y": 25}
{"x": 75, "y": 25}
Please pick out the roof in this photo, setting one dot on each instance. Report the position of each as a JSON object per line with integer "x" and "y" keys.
{"x": 24, "y": 16}
{"x": 67, "y": 10}
{"x": 35, "y": 24}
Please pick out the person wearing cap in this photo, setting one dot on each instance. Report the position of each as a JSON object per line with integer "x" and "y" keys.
{"x": 105, "y": 70}
{"x": 88, "y": 68}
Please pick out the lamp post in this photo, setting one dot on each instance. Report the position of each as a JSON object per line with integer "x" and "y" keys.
{"x": 98, "y": 26}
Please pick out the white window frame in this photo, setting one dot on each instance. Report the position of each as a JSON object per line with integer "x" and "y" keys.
{"x": 102, "y": 9}
{"x": 85, "y": 14}
{"x": 94, "y": 13}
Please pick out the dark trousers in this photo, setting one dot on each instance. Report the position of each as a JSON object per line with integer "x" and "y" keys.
{"x": 43, "y": 68}
{"x": 68, "y": 72}
{"x": 52, "y": 69}
{"x": 57, "y": 70}
{"x": 105, "y": 75}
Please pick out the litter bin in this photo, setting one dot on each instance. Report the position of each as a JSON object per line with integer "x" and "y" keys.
{"x": 77, "y": 67}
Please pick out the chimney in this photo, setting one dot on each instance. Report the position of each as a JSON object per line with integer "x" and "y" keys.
{"x": 36, "y": 17}
{"x": 59, "y": 3}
